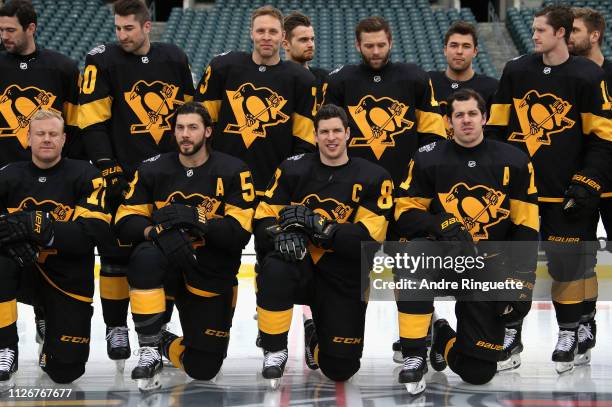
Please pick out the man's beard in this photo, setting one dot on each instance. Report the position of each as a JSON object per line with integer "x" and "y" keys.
{"x": 582, "y": 49}
{"x": 384, "y": 62}
{"x": 196, "y": 148}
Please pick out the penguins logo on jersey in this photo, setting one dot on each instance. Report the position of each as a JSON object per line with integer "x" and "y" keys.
{"x": 17, "y": 106}
{"x": 478, "y": 208}
{"x": 540, "y": 116}
{"x": 254, "y": 110}
{"x": 154, "y": 104}
{"x": 379, "y": 121}
{"x": 210, "y": 205}
{"x": 60, "y": 212}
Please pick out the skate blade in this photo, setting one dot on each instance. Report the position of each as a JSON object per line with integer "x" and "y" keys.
{"x": 583, "y": 359}
{"x": 146, "y": 385}
{"x": 415, "y": 388}
{"x": 273, "y": 384}
{"x": 7, "y": 385}
{"x": 510, "y": 364}
{"x": 563, "y": 367}
{"x": 398, "y": 357}
{"x": 120, "y": 365}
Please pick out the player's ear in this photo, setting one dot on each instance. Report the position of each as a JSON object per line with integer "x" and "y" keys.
{"x": 475, "y": 51}
{"x": 348, "y": 133}
{"x": 147, "y": 26}
{"x": 357, "y": 46}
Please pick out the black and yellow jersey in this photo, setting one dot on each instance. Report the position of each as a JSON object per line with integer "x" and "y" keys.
{"x": 557, "y": 115}
{"x": 357, "y": 195}
{"x": 43, "y": 80}
{"x": 490, "y": 188}
{"x": 128, "y": 102}
{"x": 607, "y": 67}
{"x": 263, "y": 113}
{"x": 444, "y": 86}
{"x": 391, "y": 111}
{"x": 321, "y": 78}
{"x": 72, "y": 191}
{"x": 222, "y": 185}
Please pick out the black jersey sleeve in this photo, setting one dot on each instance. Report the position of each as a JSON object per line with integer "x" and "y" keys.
{"x": 210, "y": 89}
{"x": 430, "y": 124}
{"x": 501, "y": 104}
{"x": 335, "y": 91}
{"x": 233, "y": 231}
{"x": 524, "y": 203}
{"x": 134, "y": 215}
{"x": 95, "y": 108}
{"x": 70, "y": 110}
{"x": 305, "y": 110}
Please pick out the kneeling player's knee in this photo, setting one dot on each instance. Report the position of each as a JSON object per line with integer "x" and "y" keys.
{"x": 201, "y": 365}
{"x": 145, "y": 270}
{"x": 63, "y": 373}
{"x": 472, "y": 370}
{"x": 338, "y": 369}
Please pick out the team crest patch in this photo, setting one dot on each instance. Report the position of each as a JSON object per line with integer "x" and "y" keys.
{"x": 59, "y": 211}
{"x": 478, "y": 208}
{"x": 540, "y": 116}
{"x": 379, "y": 121}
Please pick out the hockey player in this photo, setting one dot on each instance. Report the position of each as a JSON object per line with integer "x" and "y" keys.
{"x": 550, "y": 104}
{"x": 391, "y": 105}
{"x": 317, "y": 210}
{"x": 128, "y": 100}
{"x": 189, "y": 215}
{"x": 52, "y": 212}
{"x": 32, "y": 78}
{"x": 460, "y": 49}
{"x": 262, "y": 107}
{"x": 586, "y": 39}
{"x": 466, "y": 189}
{"x": 299, "y": 46}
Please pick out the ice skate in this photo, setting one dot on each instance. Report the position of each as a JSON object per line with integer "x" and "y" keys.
{"x": 8, "y": 367}
{"x": 118, "y": 345}
{"x": 310, "y": 337}
{"x": 511, "y": 354}
{"x": 147, "y": 372}
{"x": 587, "y": 332}
{"x": 274, "y": 367}
{"x": 397, "y": 352}
{"x": 436, "y": 358}
{"x": 565, "y": 351}
{"x": 412, "y": 374}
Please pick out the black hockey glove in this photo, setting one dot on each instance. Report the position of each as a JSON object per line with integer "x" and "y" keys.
{"x": 176, "y": 246}
{"x": 513, "y": 311}
{"x": 31, "y": 226}
{"x": 319, "y": 229}
{"x": 582, "y": 196}
{"x": 24, "y": 253}
{"x": 291, "y": 246}
{"x": 182, "y": 216}
{"x": 446, "y": 227}
{"x": 117, "y": 186}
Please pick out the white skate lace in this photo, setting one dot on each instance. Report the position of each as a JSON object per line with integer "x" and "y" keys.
{"x": 118, "y": 337}
{"x": 40, "y": 327}
{"x": 148, "y": 356}
{"x": 413, "y": 362}
{"x": 584, "y": 332}
{"x": 509, "y": 337}
{"x": 7, "y": 356}
{"x": 566, "y": 340}
{"x": 275, "y": 358}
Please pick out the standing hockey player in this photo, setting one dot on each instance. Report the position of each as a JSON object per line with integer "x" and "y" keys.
{"x": 189, "y": 215}
{"x": 262, "y": 107}
{"x": 551, "y": 105}
{"x": 391, "y": 105}
{"x": 460, "y": 49}
{"x": 52, "y": 214}
{"x": 469, "y": 189}
{"x": 32, "y": 78}
{"x": 129, "y": 95}
{"x": 317, "y": 210}
{"x": 586, "y": 40}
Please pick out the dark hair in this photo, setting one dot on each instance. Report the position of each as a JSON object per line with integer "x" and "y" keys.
{"x": 267, "y": 11}
{"x": 125, "y": 8}
{"x": 197, "y": 108}
{"x": 327, "y": 112}
{"x": 463, "y": 28}
{"x": 293, "y": 20}
{"x": 23, "y": 9}
{"x": 558, "y": 16}
{"x": 593, "y": 20}
{"x": 461, "y": 96}
{"x": 372, "y": 25}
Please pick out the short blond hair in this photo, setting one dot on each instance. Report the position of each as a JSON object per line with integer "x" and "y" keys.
{"x": 44, "y": 114}
{"x": 267, "y": 10}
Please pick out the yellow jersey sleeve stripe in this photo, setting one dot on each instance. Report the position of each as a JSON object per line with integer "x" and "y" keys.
{"x": 80, "y": 212}
{"x": 430, "y": 122}
{"x": 265, "y": 210}
{"x": 525, "y": 214}
{"x": 600, "y": 126}
{"x": 243, "y": 216}
{"x": 95, "y": 112}
{"x": 200, "y": 293}
{"x": 303, "y": 127}
{"x": 71, "y": 114}
{"x": 500, "y": 115}
{"x": 127, "y": 210}
{"x": 213, "y": 107}
{"x": 405, "y": 204}
{"x": 376, "y": 224}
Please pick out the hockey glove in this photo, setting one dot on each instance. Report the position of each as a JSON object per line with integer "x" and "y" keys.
{"x": 34, "y": 226}
{"x": 25, "y": 253}
{"x": 513, "y": 311}
{"x": 117, "y": 186}
{"x": 182, "y": 216}
{"x": 446, "y": 227}
{"x": 291, "y": 246}
{"x": 582, "y": 196}
{"x": 176, "y": 246}
{"x": 319, "y": 229}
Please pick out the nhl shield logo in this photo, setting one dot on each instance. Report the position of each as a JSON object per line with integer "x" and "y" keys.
{"x": 42, "y": 179}
{"x": 145, "y": 60}
{"x": 189, "y": 172}
{"x": 255, "y": 109}
{"x": 23, "y": 66}
{"x": 379, "y": 121}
